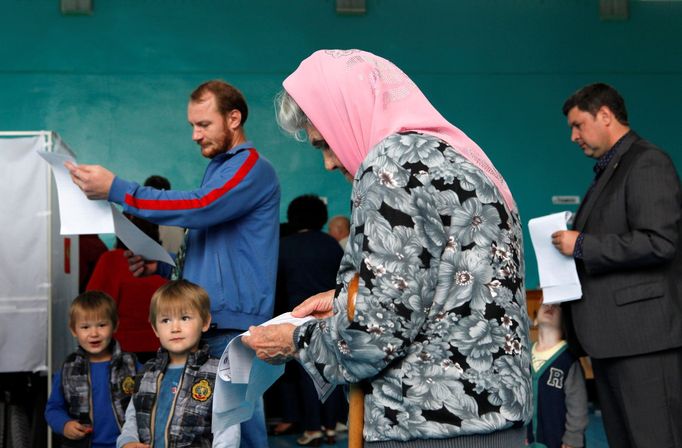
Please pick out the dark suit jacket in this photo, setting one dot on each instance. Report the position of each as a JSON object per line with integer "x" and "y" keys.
{"x": 631, "y": 271}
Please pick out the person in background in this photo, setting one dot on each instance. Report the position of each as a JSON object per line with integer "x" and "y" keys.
{"x": 131, "y": 294}
{"x": 308, "y": 262}
{"x": 560, "y": 416}
{"x": 436, "y": 332}
{"x": 339, "y": 228}
{"x": 90, "y": 248}
{"x": 173, "y": 400}
{"x": 626, "y": 242}
{"x": 92, "y": 390}
{"x": 233, "y": 220}
{"x": 171, "y": 237}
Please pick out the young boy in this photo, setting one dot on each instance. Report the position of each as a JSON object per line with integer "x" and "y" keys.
{"x": 560, "y": 407}
{"x": 173, "y": 399}
{"x": 92, "y": 390}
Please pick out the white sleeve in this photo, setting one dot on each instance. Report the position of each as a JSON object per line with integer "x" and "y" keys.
{"x": 228, "y": 437}
{"x": 129, "y": 431}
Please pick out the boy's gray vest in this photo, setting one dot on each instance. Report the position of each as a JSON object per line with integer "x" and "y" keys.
{"x": 190, "y": 418}
{"x": 77, "y": 389}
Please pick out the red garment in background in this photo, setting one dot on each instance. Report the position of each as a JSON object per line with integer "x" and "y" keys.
{"x": 132, "y": 295}
{"x": 90, "y": 248}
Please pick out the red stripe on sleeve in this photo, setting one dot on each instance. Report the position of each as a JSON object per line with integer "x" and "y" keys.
{"x": 208, "y": 198}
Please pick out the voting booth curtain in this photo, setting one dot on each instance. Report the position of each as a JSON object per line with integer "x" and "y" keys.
{"x": 38, "y": 267}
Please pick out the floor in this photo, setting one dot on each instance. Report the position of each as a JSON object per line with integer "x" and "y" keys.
{"x": 31, "y": 400}
{"x": 594, "y": 437}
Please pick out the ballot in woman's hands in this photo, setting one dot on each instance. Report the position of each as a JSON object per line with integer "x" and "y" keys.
{"x": 273, "y": 344}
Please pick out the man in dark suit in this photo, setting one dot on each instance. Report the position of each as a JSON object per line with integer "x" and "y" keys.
{"x": 626, "y": 243}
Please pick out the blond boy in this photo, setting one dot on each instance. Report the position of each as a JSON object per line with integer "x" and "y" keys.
{"x": 173, "y": 399}
{"x": 91, "y": 391}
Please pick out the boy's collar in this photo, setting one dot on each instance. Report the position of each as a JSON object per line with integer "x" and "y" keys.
{"x": 193, "y": 358}
{"x": 114, "y": 348}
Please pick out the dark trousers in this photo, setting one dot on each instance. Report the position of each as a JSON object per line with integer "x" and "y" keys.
{"x": 641, "y": 399}
{"x": 300, "y": 403}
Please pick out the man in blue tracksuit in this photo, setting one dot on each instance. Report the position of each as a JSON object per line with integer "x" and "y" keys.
{"x": 233, "y": 219}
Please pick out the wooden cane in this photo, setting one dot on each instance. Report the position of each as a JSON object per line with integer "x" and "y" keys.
{"x": 356, "y": 397}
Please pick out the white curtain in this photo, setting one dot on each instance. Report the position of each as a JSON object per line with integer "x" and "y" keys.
{"x": 24, "y": 255}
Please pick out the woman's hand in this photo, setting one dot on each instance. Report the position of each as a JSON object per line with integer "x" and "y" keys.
{"x": 273, "y": 344}
{"x": 319, "y": 306}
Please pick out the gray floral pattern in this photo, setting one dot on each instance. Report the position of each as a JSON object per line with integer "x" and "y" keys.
{"x": 439, "y": 338}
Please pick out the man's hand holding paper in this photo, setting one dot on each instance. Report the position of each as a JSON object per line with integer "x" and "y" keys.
{"x": 94, "y": 180}
{"x": 564, "y": 241}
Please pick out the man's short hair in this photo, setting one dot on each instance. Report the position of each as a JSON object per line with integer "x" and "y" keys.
{"x": 307, "y": 212}
{"x": 228, "y": 97}
{"x": 95, "y": 303}
{"x": 592, "y": 97}
{"x": 177, "y": 296}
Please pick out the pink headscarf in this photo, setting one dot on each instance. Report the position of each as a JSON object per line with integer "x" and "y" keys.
{"x": 355, "y": 99}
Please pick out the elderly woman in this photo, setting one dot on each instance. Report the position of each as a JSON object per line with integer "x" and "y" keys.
{"x": 438, "y": 338}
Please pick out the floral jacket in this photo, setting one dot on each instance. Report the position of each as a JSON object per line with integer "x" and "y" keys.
{"x": 439, "y": 338}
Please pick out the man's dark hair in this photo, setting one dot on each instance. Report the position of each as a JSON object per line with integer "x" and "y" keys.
{"x": 592, "y": 97}
{"x": 306, "y": 212}
{"x": 228, "y": 97}
{"x": 158, "y": 182}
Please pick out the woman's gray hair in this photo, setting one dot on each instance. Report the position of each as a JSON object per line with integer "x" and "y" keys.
{"x": 290, "y": 117}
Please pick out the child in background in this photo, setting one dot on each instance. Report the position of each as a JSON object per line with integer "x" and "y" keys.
{"x": 173, "y": 399}
{"x": 92, "y": 390}
{"x": 560, "y": 415}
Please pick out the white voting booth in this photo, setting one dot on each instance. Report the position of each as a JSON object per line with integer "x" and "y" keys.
{"x": 38, "y": 266}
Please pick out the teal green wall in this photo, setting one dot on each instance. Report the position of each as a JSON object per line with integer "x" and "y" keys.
{"x": 115, "y": 84}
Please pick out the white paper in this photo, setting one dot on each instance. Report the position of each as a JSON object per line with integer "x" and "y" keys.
{"x": 79, "y": 215}
{"x": 243, "y": 378}
{"x": 82, "y": 216}
{"x": 558, "y": 275}
{"x": 137, "y": 241}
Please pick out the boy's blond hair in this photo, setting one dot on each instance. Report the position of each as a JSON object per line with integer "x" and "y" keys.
{"x": 178, "y": 296}
{"x": 95, "y": 303}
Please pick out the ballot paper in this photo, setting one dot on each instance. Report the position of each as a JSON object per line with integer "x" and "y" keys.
{"x": 78, "y": 214}
{"x": 558, "y": 275}
{"x": 82, "y": 216}
{"x": 137, "y": 241}
{"x": 243, "y": 378}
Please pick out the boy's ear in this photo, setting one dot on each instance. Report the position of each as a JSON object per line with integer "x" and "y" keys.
{"x": 207, "y": 324}
{"x": 155, "y": 332}
{"x": 73, "y": 331}
{"x": 116, "y": 327}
